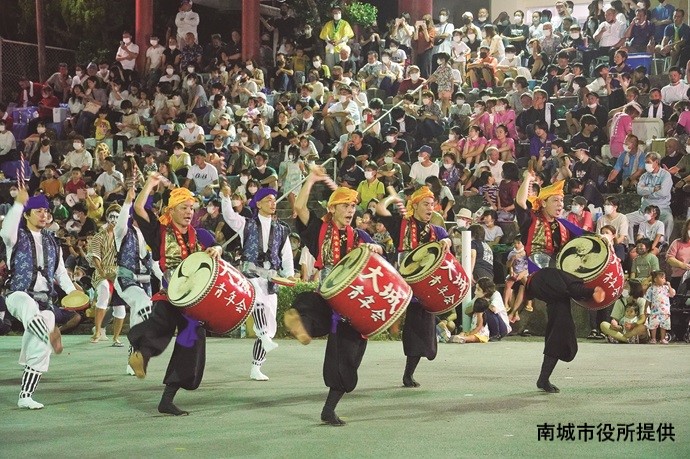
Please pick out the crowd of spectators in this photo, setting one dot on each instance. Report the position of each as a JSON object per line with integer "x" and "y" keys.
{"x": 472, "y": 112}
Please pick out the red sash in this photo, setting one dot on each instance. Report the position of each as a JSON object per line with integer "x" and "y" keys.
{"x": 548, "y": 237}
{"x": 414, "y": 240}
{"x": 185, "y": 249}
{"x": 335, "y": 242}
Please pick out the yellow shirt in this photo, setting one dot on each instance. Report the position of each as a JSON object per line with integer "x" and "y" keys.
{"x": 337, "y": 34}
{"x": 368, "y": 191}
{"x": 94, "y": 209}
{"x": 179, "y": 161}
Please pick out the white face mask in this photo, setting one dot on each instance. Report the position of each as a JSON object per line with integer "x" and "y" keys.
{"x": 343, "y": 99}
{"x": 250, "y": 68}
{"x": 649, "y": 167}
{"x": 317, "y": 64}
{"x": 76, "y": 145}
{"x": 350, "y": 128}
{"x": 153, "y": 42}
{"x": 547, "y": 32}
{"x": 608, "y": 209}
{"x": 244, "y": 179}
{"x": 461, "y": 224}
{"x": 169, "y": 71}
{"x": 592, "y": 106}
{"x": 190, "y": 69}
{"x": 443, "y": 18}
{"x": 625, "y": 293}
{"x": 172, "y": 47}
{"x": 554, "y": 152}
{"x": 337, "y": 16}
{"x": 210, "y": 209}
{"x": 40, "y": 130}
{"x": 14, "y": 193}
{"x": 647, "y": 217}
{"x": 385, "y": 59}
{"x": 575, "y": 35}
{"x": 189, "y": 125}
{"x": 369, "y": 175}
{"x": 448, "y": 166}
{"x": 451, "y": 137}
{"x": 575, "y": 209}
{"x": 126, "y": 41}
{"x": 252, "y": 189}
{"x": 477, "y": 110}
{"x": 414, "y": 77}
{"x": 510, "y": 56}
{"x": 390, "y": 138}
{"x": 457, "y": 39}
{"x": 420, "y": 159}
{"x": 460, "y": 102}
{"x": 517, "y": 19}
{"x": 388, "y": 160}
{"x": 177, "y": 152}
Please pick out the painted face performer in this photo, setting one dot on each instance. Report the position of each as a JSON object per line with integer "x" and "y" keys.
{"x": 265, "y": 252}
{"x": 329, "y": 240}
{"x": 172, "y": 239}
{"x": 408, "y": 232}
{"x": 544, "y": 234}
{"x": 35, "y": 261}
{"x": 133, "y": 282}
{"x": 103, "y": 256}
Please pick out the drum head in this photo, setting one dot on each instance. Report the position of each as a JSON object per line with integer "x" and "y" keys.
{"x": 75, "y": 301}
{"x": 584, "y": 257}
{"x": 284, "y": 281}
{"x": 347, "y": 269}
{"x": 421, "y": 261}
{"x": 192, "y": 279}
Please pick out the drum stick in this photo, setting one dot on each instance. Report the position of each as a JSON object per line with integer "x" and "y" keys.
{"x": 330, "y": 183}
{"x": 398, "y": 204}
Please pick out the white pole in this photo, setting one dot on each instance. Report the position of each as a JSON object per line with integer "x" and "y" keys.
{"x": 466, "y": 262}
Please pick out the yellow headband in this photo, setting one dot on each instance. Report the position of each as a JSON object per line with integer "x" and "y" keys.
{"x": 552, "y": 190}
{"x": 342, "y": 195}
{"x": 177, "y": 197}
{"x": 419, "y": 195}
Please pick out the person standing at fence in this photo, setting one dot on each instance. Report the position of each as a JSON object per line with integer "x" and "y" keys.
{"x": 29, "y": 94}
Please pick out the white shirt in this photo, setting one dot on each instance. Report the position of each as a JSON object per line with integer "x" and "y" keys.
{"x": 10, "y": 228}
{"x": 352, "y": 110}
{"x": 187, "y": 21}
{"x": 671, "y": 94}
{"x": 120, "y": 232}
{"x": 155, "y": 54}
{"x": 7, "y": 142}
{"x": 76, "y": 159}
{"x": 191, "y": 136}
{"x": 128, "y": 64}
{"x": 442, "y": 29}
{"x": 202, "y": 177}
{"x": 111, "y": 181}
{"x": 238, "y": 222}
{"x": 419, "y": 173}
{"x": 496, "y": 169}
{"x": 612, "y": 33}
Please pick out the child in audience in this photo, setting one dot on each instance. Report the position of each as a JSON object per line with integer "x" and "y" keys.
{"x": 659, "y": 307}
{"x": 517, "y": 274}
{"x": 496, "y": 317}
{"x": 102, "y": 125}
{"x": 480, "y": 331}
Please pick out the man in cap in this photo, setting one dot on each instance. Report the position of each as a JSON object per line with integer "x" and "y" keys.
{"x": 102, "y": 256}
{"x": 266, "y": 252}
{"x": 329, "y": 239}
{"x": 408, "y": 232}
{"x": 30, "y": 297}
{"x": 171, "y": 239}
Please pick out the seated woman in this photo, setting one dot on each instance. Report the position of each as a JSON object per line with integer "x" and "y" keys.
{"x": 479, "y": 332}
{"x": 472, "y": 147}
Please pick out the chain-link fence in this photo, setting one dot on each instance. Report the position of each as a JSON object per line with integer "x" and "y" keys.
{"x": 18, "y": 59}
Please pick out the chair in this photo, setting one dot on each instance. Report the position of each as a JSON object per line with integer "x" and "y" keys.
{"x": 596, "y": 62}
{"x": 666, "y": 64}
{"x": 648, "y": 128}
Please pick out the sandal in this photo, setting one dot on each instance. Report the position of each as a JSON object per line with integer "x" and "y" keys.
{"x": 528, "y": 307}
{"x": 95, "y": 340}
{"x": 117, "y": 343}
{"x": 652, "y": 341}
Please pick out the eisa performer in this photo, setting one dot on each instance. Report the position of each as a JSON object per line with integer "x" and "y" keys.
{"x": 172, "y": 239}
{"x": 35, "y": 261}
{"x": 265, "y": 252}
{"x": 408, "y": 232}
{"x": 544, "y": 234}
{"x": 329, "y": 240}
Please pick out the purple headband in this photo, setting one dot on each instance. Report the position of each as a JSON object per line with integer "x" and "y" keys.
{"x": 37, "y": 202}
{"x": 260, "y": 194}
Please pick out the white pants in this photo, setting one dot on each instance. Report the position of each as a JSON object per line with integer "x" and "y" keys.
{"x": 637, "y": 217}
{"x": 35, "y": 353}
{"x": 269, "y": 302}
{"x": 138, "y": 301}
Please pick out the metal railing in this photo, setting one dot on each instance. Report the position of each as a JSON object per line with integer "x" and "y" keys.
{"x": 385, "y": 114}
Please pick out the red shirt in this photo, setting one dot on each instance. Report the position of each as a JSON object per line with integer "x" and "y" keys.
{"x": 71, "y": 187}
{"x": 46, "y": 106}
{"x": 584, "y": 221}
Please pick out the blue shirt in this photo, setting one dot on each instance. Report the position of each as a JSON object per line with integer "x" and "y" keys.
{"x": 683, "y": 33}
{"x": 649, "y": 181}
{"x": 628, "y": 169}
{"x": 661, "y": 13}
{"x": 535, "y": 144}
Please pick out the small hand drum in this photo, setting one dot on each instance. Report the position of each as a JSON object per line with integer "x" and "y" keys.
{"x": 437, "y": 279}
{"x": 591, "y": 259}
{"x": 211, "y": 291}
{"x": 75, "y": 301}
{"x": 364, "y": 288}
